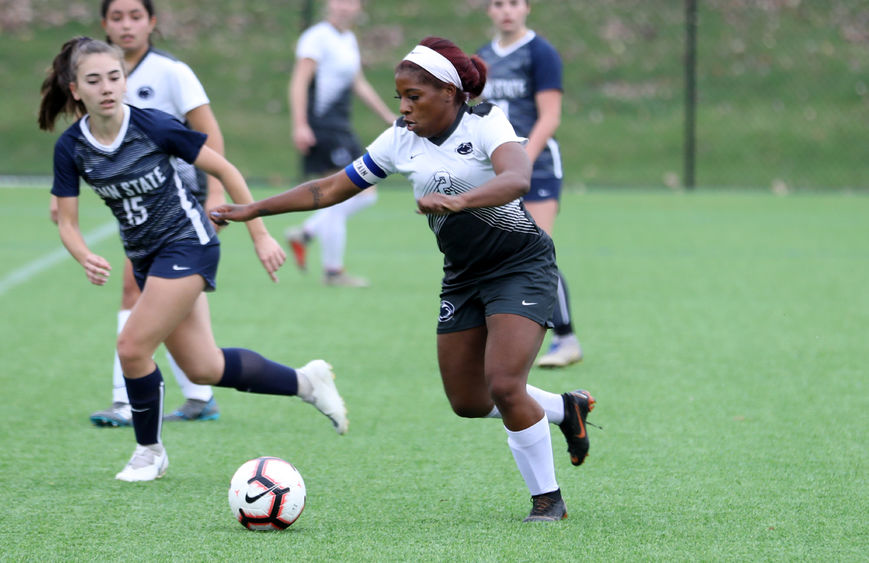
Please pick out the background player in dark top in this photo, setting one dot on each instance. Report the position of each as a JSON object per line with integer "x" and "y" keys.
{"x": 468, "y": 170}
{"x": 129, "y": 156}
{"x": 328, "y": 71}
{"x": 525, "y": 81}
{"x": 155, "y": 79}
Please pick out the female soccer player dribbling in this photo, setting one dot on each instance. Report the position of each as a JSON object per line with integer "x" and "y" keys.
{"x": 129, "y": 157}
{"x": 468, "y": 171}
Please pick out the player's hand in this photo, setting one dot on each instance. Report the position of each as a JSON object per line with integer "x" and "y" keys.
{"x": 439, "y": 204}
{"x": 270, "y": 254}
{"x": 223, "y": 214}
{"x": 97, "y": 269}
{"x": 216, "y": 198}
{"x": 304, "y": 138}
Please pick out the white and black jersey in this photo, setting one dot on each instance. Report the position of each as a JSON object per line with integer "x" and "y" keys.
{"x": 476, "y": 243}
{"x": 515, "y": 75}
{"x": 137, "y": 178}
{"x": 160, "y": 81}
{"x": 338, "y": 61}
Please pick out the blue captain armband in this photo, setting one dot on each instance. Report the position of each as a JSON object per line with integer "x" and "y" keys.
{"x": 364, "y": 172}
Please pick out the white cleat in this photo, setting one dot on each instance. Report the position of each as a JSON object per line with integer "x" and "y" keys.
{"x": 148, "y": 463}
{"x": 325, "y": 395}
{"x": 563, "y": 351}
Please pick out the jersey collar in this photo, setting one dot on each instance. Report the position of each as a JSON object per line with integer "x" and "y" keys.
{"x": 138, "y": 64}
{"x": 86, "y": 131}
{"x": 439, "y": 139}
{"x": 504, "y": 51}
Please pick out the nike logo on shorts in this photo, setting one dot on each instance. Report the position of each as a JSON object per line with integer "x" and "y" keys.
{"x": 527, "y": 303}
{"x": 178, "y": 268}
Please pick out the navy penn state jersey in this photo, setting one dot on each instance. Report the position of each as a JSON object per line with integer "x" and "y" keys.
{"x": 515, "y": 75}
{"x": 476, "y": 243}
{"x": 137, "y": 178}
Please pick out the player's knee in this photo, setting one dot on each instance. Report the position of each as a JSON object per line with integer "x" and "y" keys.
{"x": 131, "y": 352}
{"x": 506, "y": 393}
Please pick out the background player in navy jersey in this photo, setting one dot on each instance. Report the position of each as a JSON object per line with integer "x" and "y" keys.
{"x": 328, "y": 71}
{"x": 129, "y": 157}
{"x": 468, "y": 170}
{"x": 525, "y": 81}
{"x": 157, "y": 80}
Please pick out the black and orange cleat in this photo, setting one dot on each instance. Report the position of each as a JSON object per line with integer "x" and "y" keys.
{"x": 577, "y": 405}
{"x": 548, "y": 507}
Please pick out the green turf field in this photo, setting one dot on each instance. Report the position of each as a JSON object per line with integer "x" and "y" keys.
{"x": 725, "y": 341}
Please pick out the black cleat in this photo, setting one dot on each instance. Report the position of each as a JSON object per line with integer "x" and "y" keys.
{"x": 577, "y": 405}
{"x": 548, "y": 507}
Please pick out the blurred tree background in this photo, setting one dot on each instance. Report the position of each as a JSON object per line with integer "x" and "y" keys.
{"x": 783, "y": 85}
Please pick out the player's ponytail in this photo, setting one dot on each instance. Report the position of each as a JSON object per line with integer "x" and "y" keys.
{"x": 474, "y": 83}
{"x": 56, "y": 97}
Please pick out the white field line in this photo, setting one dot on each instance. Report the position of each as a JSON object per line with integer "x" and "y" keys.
{"x": 26, "y": 272}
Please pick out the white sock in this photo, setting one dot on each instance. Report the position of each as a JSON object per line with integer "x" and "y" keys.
{"x": 119, "y": 388}
{"x": 330, "y": 226}
{"x": 333, "y": 239}
{"x": 532, "y": 450}
{"x": 188, "y": 388}
{"x": 552, "y": 404}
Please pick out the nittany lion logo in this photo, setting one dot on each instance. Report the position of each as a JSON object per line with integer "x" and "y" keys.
{"x": 447, "y": 311}
{"x": 465, "y": 148}
{"x": 145, "y": 92}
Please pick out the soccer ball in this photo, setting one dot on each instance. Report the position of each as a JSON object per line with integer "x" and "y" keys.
{"x": 267, "y": 493}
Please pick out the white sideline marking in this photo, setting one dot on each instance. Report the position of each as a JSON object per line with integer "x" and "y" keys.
{"x": 21, "y": 275}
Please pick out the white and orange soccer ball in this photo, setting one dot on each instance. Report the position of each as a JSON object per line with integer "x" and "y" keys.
{"x": 267, "y": 493}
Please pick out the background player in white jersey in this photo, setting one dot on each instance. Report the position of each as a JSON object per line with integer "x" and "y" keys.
{"x": 158, "y": 80}
{"x": 129, "y": 156}
{"x": 327, "y": 73}
{"x": 468, "y": 170}
{"x": 525, "y": 81}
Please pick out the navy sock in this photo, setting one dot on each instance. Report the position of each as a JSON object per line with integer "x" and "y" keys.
{"x": 247, "y": 371}
{"x": 146, "y": 400}
{"x": 561, "y": 314}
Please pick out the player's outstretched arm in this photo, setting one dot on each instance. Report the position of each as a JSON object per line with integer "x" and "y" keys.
{"x": 314, "y": 194}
